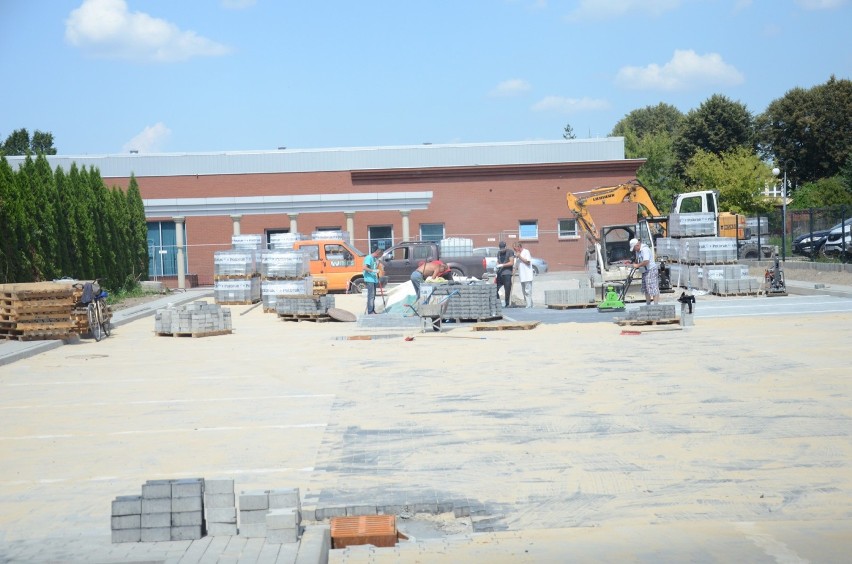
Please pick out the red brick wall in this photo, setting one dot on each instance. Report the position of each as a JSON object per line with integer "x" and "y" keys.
{"x": 481, "y": 204}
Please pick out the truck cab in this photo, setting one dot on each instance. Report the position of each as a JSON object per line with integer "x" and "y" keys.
{"x": 341, "y": 264}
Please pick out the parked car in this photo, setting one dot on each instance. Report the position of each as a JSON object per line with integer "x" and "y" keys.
{"x": 834, "y": 244}
{"x": 808, "y": 245}
{"x": 490, "y": 253}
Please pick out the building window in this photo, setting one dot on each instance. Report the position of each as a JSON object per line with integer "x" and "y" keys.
{"x": 431, "y": 231}
{"x": 162, "y": 249}
{"x": 381, "y": 235}
{"x": 528, "y": 229}
{"x": 567, "y": 228}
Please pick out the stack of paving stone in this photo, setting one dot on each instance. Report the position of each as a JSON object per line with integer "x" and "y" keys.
{"x": 167, "y": 510}
{"x": 303, "y": 305}
{"x": 570, "y": 296}
{"x": 476, "y": 301}
{"x": 334, "y": 234}
{"x": 284, "y": 241}
{"x": 271, "y": 514}
{"x": 235, "y": 277}
{"x": 196, "y": 319}
{"x": 284, "y": 273}
{"x": 252, "y": 242}
{"x": 651, "y": 313}
{"x": 692, "y": 225}
{"x": 220, "y": 507}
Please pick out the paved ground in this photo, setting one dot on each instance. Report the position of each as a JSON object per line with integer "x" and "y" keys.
{"x": 729, "y": 441}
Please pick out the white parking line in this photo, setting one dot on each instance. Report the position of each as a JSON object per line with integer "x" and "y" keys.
{"x": 170, "y": 475}
{"x": 157, "y": 431}
{"x": 167, "y": 401}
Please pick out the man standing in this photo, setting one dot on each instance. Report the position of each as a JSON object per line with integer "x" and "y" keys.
{"x": 371, "y": 277}
{"x": 525, "y": 272}
{"x": 505, "y": 263}
{"x": 644, "y": 262}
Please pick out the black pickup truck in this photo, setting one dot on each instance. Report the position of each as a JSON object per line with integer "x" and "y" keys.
{"x": 403, "y": 258}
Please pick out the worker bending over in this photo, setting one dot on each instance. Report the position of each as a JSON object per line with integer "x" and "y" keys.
{"x": 644, "y": 262}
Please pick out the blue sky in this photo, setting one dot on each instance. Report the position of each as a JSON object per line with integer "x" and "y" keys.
{"x": 108, "y": 76}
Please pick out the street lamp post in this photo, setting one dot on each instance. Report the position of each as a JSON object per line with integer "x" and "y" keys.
{"x": 776, "y": 171}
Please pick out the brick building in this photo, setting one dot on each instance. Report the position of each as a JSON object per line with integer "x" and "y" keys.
{"x": 484, "y": 192}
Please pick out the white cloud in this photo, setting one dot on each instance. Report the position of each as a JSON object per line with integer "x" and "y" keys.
{"x": 685, "y": 70}
{"x": 150, "y": 140}
{"x": 820, "y": 4}
{"x": 511, "y": 87}
{"x": 107, "y": 29}
{"x": 610, "y": 9}
{"x": 237, "y": 4}
{"x": 568, "y": 105}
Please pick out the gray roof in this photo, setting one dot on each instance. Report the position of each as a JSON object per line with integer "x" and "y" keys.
{"x": 346, "y": 159}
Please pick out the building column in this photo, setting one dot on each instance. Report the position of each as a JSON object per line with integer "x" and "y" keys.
{"x": 350, "y": 226}
{"x": 181, "y": 270}
{"x": 294, "y": 226}
{"x": 236, "y": 219}
{"x": 405, "y": 228}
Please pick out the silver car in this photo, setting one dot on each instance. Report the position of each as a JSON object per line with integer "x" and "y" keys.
{"x": 539, "y": 266}
{"x": 838, "y": 240}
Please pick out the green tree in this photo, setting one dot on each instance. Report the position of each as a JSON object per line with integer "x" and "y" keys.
{"x": 138, "y": 230}
{"x": 822, "y": 193}
{"x": 737, "y": 175}
{"x": 10, "y": 217}
{"x": 813, "y": 127}
{"x": 85, "y": 237}
{"x": 46, "y": 199}
{"x": 18, "y": 143}
{"x": 719, "y": 125}
{"x": 649, "y": 134}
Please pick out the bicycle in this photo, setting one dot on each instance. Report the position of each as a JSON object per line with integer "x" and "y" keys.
{"x": 96, "y": 309}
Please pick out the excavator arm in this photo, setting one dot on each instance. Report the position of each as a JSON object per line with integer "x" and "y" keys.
{"x": 633, "y": 191}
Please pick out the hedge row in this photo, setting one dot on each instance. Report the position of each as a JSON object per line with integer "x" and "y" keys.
{"x": 55, "y": 224}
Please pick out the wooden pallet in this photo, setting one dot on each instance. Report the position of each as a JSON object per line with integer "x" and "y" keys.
{"x": 571, "y": 306}
{"x": 520, "y": 326}
{"x": 638, "y": 322}
{"x": 316, "y": 317}
{"x": 470, "y": 319}
{"x": 252, "y": 302}
{"x": 197, "y": 335}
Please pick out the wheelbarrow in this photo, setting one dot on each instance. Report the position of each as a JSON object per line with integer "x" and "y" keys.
{"x": 432, "y": 312}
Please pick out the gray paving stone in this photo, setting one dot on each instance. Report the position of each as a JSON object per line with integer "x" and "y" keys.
{"x": 126, "y": 535}
{"x": 222, "y": 515}
{"x": 153, "y": 520}
{"x": 284, "y": 498}
{"x": 219, "y": 500}
{"x": 155, "y": 534}
{"x": 126, "y": 522}
{"x": 187, "y": 488}
{"x": 250, "y": 517}
{"x": 252, "y": 530}
{"x": 282, "y": 536}
{"x": 127, "y": 505}
{"x": 287, "y": 553}
{"x": 356, "y": 510}
{"x": 188, "y": 532}
{"x": 315, "y": 545}
{"x": 180, "y": 504}
{"x": 251, "y": 500}
{"x": 154, "y": 489}
{"x": 282, "y": 519}
{"x": 221, "y": 529}
{"x": 156, "y": 505}
{"x": 186, "y": 518}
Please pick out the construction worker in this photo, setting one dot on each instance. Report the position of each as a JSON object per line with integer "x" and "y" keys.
{"x": 525, "y": 271}
{"x": 371, "y": 277}
{"x": 643, "y": 261}
{"x": 503, "y": 269}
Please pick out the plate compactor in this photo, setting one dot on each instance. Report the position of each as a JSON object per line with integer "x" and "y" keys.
{"x": 614, "y": 301}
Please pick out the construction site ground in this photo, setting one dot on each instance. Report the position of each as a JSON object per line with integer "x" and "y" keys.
{"x": 576, "y": 440}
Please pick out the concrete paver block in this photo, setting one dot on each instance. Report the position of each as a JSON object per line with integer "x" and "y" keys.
{"x": 188, "y": 532}
{"x": 222, "y": 500}
{"x": 282, "y": 519}
{"x": 157, "y": 505}
{"x": 180, "y": 504}
{"x": 315, "y": 545}
{"x": 186, "y": 518}
{"x": 127, "y": 505}
{"x": 252, "y": 516}
{"x": 282, "y": 536}
{"x": 187, "y": 487}
{"x": 156, "y": 534}
{"x": 252, "y": 500}
{"x": 222, "y": 529}
{"x": 126, "y": 522}
{"x": 126, "y": 535}
{"x": 284, "y": 498}
{"x": 153, "y": 520}
{"x": 357, "y": 510}
{"x": 153, "y": 489}
{"x": 222, "y": 515}
{"x": 253, "y": 530}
